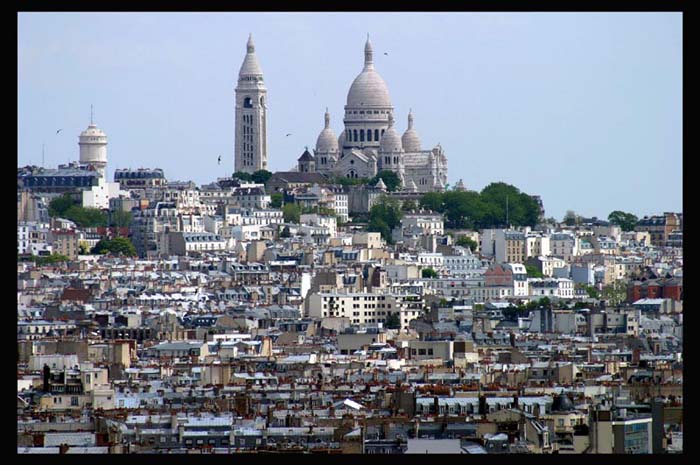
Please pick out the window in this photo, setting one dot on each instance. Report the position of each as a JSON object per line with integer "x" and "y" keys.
{"x": 362, "y": 135}
{"x": 376, "y": 134}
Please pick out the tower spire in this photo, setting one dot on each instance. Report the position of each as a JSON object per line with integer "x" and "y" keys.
{"x": 327, "y": 119}
{"x": 369, "y": 64}
{"x": 410, "y": 118}
{"x": 250, "y": 46}
{"x": 91, "y": 119}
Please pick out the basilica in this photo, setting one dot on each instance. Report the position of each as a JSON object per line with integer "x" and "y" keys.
{"x": 370, "y": 142}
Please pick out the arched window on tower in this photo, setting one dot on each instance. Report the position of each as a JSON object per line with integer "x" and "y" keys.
{"x": 387, "y": 160}
{"x": 382, "y": 132}
{"x": 369, "y": 135}
{"x": 376, "y": 134}
{"x": 247, "y": 102}
{"x": 362, "y": 135}
{"x": 396, "y": 160}
{"x": 354, "y": 135}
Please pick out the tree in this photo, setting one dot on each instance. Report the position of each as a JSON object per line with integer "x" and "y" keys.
{"x": 276, "y": 200}
{"x": 116, "y": 246}
{"x": 615, "y": 293}
{"x": 432, "y": 201}
{"x": 285, "y": 232}
{"x": 533, "y": 271}
{"x": 465, "y": 241}
{"x": 409, "y": 205}
{"x": 570, "y": 219}
{"x": 243, "y": 176}
{"x": 291, "y": 213}
{"x": 260, "y": 176}
{"x": 86, "y": 217}
{"x": 384, "y": 216}
{"x": 391, "y": 179}
{"x": 626, "y": 221}
{"x": 50, "y": 259}
{"x": 59, "y": 205}
{"x": 393, "y": 321}
{"x": 429, "y": 273}
{"x": 120, "y": 219}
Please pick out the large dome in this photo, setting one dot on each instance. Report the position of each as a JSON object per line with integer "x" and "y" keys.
{"x": 368, "y": 89}
{"x": 327, "y": 141}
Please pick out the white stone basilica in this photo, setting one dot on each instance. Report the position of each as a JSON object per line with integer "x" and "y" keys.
{"x": 370, "y": 143}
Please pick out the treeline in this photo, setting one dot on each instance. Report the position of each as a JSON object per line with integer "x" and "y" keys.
{"x": 498, "y": 205}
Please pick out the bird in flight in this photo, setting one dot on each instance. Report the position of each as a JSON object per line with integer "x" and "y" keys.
{"x": 219, "y": 159}
{"x": 59, "y": 131}
{"x": 386, "y": 54}
{"x": 288, "y": 135}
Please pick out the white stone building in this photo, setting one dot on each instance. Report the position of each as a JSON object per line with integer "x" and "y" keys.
{"x": 370, "y": 143}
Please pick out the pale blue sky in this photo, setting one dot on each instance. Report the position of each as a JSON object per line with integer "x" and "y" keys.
{"x": 584, "y": 109}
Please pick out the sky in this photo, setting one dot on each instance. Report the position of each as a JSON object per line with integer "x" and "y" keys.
{"x": 583, "y": 109}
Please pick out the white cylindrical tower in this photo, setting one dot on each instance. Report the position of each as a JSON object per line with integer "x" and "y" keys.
{"x": 93, "y": 148}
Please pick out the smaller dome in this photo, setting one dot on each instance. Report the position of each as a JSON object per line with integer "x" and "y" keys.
{"x": 380, "y": 184}
{"x": 460, "y": 185}
{"x": 410, "y": 139}
{"x": 327, "y": 141}
{"x": 390, "y": 141}
{"x": 93, "y": 131}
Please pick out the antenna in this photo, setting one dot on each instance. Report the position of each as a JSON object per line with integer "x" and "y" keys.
{"x": 42, "y": 155}
{"x": 91, "y": 113}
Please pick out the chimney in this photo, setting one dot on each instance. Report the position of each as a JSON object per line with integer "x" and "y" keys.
{"x": 482, "y": 405}
{"x": 47, "y": 378}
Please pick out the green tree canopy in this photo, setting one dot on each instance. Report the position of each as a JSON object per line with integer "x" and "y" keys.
{"x": 429, "y": 273}
{"x": 260, "y": 176}
{"x": 86, "y": 217}
{"x": 533, "y": 271}
{"x": 391, "y": 179}
{"x": 291, "y": 213}
{"x": 384, "y": 216}
{"x": 409, "y": 205}
{"x": 497, "y": 205}
{"x": 571, "y": 218}
{"x": 243, "y": 176}
{"x": 276, "y": 200}
{"x": 120, "y": 219}
{"x": 116, "y": 246}
{"x": 49, "y": 260}
{"x": 59, "y": 205}
{"x": 626, "y": 221}
{"x": 465, "y": 241}
{"x": 393, "y": 321}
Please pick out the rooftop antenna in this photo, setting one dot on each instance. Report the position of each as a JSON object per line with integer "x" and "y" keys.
{"x": 91, "y": 113}
{"x": 42, "y": 155}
